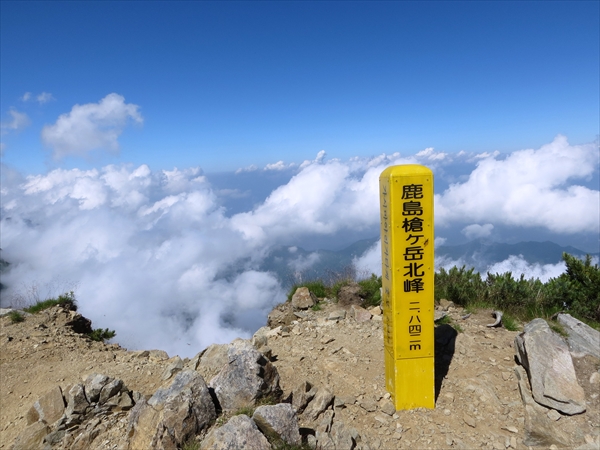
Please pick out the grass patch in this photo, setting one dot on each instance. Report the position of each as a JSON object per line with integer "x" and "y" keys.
{"x": 102, "y": 335}
{"x": 191, "y": 444}
{"x": 557, "y": 328}
{"x": 509, "y": 322}
{"x": 278, "y": 444}
{"x": 16, "y": 317}
{"x": 66, "y": 300}
{"x": 446, "y": 320}
{"x": 316, "y": 307}
{"x": 457, "y": 327}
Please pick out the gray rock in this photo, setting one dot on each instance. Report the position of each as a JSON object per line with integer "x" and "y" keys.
{"x": 240, "y": 432}
{"x": 368, "y": 405}
{"x": 303, "y": 298}
{"x": 110, "y": 389}
{"x": 281, "y": 315}
{"x": 93, "y": 385}
{"x": 50, "y": 407}
{"x": 342, "y": 436}
{"x": 174, "y": 365}
{"x": 340, "y": 314}
{"x": 279, "y": 422}
{"x": 323, "y": 398}
{"x": 539, "y": 429}
{"x": 546, "y": 357}
{"x": 158, "y": 355}
{"x": 439, "y": 315}
{"x": 260, "y": 339}
{"x": 212, "y": 360}
{"x": 173, "y": 415}
{"x": 77, "y": 402}
{"x": 582, "y": 338}
{"x": 387, "y": 407}
{"x": 359, "y": 314}
{"x": 302, "y": 395}
{"x": 31, "y": 437}
{"x": 247, "y": 377}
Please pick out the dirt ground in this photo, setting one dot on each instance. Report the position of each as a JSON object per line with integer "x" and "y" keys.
{"x": 478, "y": 404}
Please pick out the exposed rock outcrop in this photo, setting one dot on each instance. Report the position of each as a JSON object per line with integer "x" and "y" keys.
{"x": 546, "y": 357}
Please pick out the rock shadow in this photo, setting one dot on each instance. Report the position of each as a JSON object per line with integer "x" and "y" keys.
{"x": 445, "y": 340}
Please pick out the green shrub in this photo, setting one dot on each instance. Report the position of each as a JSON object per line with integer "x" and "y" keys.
{"x": 16, "y": 317}
{"x": 371, "y": 291}
{"x": 578, "y": 289}
{"x": 101, "y": 335}
{"x": 460, "y": 286}
{"x": 67, "y": 300}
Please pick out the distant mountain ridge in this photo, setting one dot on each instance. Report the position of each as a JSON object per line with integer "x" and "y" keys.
{"x": 292, "y": 264}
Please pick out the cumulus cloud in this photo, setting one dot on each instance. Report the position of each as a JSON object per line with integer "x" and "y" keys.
{"x": 17, "y": 122}
{"x": 370, "y": 261}
{"x": 529, "y": 188}
{"x": 250, "y": 168}
{"x": 44, "y": 97}
{"x": 91, "y": 126}
{"x": 476, "y": 231}
{"x": 517, "y": 265}
{"x": 158, "y": 259}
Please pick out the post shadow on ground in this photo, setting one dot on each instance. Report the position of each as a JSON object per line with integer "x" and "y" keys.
{"x": 445, "y": 339}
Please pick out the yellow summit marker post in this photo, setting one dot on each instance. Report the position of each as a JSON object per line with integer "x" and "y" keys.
{"x": 406, "y": 200}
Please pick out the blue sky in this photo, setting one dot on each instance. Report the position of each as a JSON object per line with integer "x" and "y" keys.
{"x": 154, "y": 154}
{"x": 228, "y": 84}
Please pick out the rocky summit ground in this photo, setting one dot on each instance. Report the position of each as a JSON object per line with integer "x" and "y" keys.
{"x": 478, "y": 401}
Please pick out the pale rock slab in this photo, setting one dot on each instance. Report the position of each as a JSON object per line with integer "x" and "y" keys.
{"x": 539, "y": 429}
{"x": 582, "y": 338}
{"x": 547, "y": 359}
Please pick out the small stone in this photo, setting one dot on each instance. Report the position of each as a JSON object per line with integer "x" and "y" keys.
{"x": 469, "y": 421}
{"x": 595, "y": 378}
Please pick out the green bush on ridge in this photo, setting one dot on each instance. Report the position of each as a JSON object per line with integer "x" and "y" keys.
{"x": 67, "y": 299}
{"x": 577, "y": 291}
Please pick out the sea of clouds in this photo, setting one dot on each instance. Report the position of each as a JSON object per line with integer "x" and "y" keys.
{"x": 156, "y": 256}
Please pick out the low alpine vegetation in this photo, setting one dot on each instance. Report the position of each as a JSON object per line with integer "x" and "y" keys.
{"x": 67, "y": 300}
{"x": 16, "y": 316}
{"x": 102, "y": 335}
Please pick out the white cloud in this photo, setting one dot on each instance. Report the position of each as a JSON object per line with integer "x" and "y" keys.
{"x": 370, "y": 261}
{"x": 476, "y": 231}
{"x": 17, "y": 123}
{"x": 158, "y": 260}
{"x": 250, "y": 168}
{"x": 530, "y": 188}
{"x": 517, "y": 266}
{"x": 44, "y": 97}
{"x": 26, "y": 97}
{"x": 90, "y": 126}
{"x": 430, "y": 154}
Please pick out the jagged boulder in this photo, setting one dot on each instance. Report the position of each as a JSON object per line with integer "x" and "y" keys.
{"x": 31, "y": 437}
{"x": 539, "y": 429}
{"x": 247, "y": 377}
{"x": 321, "y": 401}
{"x": 281, "y": 315}
{"x": 279, "y": 422}
{"x": 173, "y": 415}
{"x": 48, "y": 408}
{"x": 302, "y": 395}
{"x": 240, "y": 432}
{"x": 546, "y": 357}
{"x": 582, "y": 338}
{"x": 303, "y": 298}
